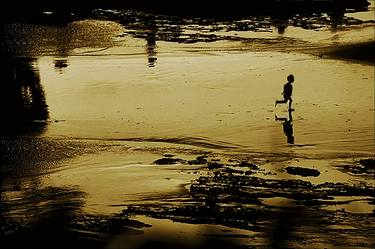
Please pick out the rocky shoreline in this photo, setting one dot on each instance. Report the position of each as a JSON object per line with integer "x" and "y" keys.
{"x": 228, "y": 194}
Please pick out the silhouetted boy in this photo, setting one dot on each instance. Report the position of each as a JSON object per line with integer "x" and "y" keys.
{"x": 287, "y": 93}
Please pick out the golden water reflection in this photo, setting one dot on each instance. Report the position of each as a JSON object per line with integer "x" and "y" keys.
{"x": 92, "y": 86}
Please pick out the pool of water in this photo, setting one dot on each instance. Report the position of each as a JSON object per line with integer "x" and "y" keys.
{"x": 108, "y": 98}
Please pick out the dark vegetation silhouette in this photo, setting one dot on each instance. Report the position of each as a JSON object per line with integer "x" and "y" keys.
{"x": 67, "y": 9}
{"x": 23, "y": 102}
{"x": 151, "y": 32}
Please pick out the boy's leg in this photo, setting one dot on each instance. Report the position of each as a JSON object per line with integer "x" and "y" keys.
{"x": 280, "y": 101}
{"x": 290, "y": 104}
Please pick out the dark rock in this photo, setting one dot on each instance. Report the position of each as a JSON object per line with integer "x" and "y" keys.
{"x": 199, "y": 160}
{"x": 248, "y": 165}
{"x": 367, "y": 163}
{"x": 302, "y": 171}
{"x": 366, "y": 166}
{"x": 234, "y": 171}
{"x": 168, "y": 160}
{"x": 215, "y": 165}
{"x": 168, "y": 155}
{"x": 248, "y": 173}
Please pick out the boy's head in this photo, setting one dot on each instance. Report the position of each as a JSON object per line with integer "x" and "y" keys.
{"x": 290, "y": 78}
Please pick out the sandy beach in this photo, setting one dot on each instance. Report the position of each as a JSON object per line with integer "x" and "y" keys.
{"x": 134, "y": 130}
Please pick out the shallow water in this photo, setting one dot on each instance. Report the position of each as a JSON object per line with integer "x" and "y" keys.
{"x": 223, "y": 99}
{"x": 102, "y": 82}
{"x": 120, "y": 94}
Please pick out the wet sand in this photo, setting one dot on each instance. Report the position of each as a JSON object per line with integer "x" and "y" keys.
{"x": 127, "y": 197}
{"x": 357, "y": 52}
{"x": 162, "y": 132}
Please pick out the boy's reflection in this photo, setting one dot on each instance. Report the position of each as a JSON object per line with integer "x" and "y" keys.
{"x": 287, "y": 127}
